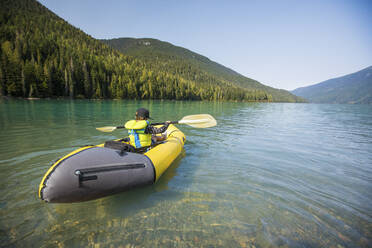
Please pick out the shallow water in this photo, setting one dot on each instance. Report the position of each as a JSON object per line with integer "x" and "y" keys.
{"x": 269, "y": 175}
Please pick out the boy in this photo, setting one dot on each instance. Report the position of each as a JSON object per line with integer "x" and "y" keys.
{"x": 141, "y": 132}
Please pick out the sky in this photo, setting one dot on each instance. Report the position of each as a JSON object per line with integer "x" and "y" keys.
{"x": 285, "y": 44}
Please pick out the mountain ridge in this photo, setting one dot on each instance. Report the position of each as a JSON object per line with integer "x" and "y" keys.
{"x": 351, "y": 88}
{"x": 149, "y": 48}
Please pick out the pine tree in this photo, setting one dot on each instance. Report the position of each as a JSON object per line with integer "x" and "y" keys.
{"x": 87, "y": 82}
{"x": 2, "y": 83}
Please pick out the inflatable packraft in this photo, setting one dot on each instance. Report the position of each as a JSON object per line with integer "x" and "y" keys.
{"x": 92, "y": 172}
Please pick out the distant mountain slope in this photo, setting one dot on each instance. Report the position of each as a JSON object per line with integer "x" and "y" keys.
{"x": 161, "y": 55}
{"x": 352, "y": 88}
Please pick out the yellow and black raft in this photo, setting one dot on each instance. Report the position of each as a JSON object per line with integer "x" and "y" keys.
{"x": 96, "y": 171}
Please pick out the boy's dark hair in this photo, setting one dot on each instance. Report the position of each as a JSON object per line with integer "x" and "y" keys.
{"x": 144, "y": 113}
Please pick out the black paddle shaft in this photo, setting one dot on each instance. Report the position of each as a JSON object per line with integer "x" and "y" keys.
{"x": 154, "y": 124}
{"x": 163, "y": 123}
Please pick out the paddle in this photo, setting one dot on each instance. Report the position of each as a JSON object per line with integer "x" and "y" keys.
{"x": 197, "y": 121}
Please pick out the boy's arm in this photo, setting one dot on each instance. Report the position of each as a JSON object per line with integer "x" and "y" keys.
{"x": 155, "y": 130}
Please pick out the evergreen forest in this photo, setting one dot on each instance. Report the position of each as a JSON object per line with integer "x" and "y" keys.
{"x": 43, "y": 56}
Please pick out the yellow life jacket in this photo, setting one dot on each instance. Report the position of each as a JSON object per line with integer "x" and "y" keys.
{"x": 137, "y": 135}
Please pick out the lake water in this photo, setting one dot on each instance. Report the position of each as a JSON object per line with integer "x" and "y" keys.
{"x": 269, "y": 175}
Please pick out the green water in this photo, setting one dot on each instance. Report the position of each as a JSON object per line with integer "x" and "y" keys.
{"x": 269, "y": 175}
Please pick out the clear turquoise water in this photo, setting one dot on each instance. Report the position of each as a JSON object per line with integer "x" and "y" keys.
{"x": 269, "y": 175}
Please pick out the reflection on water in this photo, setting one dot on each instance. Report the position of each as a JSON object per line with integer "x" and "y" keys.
{"x": 269, "y": 175}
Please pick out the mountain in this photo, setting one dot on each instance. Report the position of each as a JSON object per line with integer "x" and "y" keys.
{"x": 352, "y": 88}
{"x": 160, "y": 55}
{"x": 42, "y": 55}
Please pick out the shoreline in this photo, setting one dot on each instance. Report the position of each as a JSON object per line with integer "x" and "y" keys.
{"x": 115, "y": 99}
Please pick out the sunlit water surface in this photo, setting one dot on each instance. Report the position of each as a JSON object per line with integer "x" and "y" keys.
{"x": 269, "y": 175}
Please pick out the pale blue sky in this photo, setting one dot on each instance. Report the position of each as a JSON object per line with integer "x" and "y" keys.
{"x": 284, "y": 44}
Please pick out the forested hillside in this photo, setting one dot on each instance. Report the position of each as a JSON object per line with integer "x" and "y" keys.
{"x": 44, "y": 56}
{"x": 163, "y": 56}
{"x": 351, "y": 88}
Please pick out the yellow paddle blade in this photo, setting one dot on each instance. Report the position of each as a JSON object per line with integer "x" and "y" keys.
{"x": 106, "y": 129}
{"x": 199, "y": 121}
